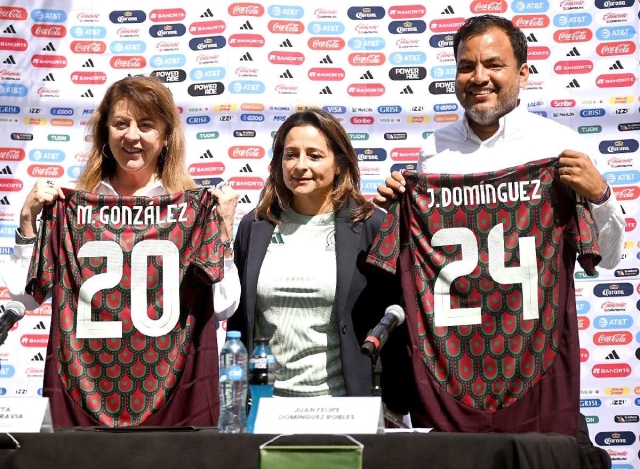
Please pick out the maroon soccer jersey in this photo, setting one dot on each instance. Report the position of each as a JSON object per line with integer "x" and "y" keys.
{"x": 487, "y": 264}
{"x": 133, "y": 338}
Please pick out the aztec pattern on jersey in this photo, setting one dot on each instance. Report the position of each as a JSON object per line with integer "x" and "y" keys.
{"x": 122, "y": 381}
{"x": 492, "y": 360}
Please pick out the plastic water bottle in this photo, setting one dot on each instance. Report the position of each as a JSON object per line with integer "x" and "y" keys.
{"x": 233, "y": 385}
{"x": 262, "y": 368}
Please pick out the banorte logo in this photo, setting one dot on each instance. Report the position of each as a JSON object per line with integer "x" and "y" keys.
{"x": 285, "y": 27}
{"x": 406, "y": 12}
{"x": 612, "y": 338}
{"x": 88, "y": 47}
{"x": 128, "y": 61}
{"x": 446, "y": 25}
{"x": 207, "y": 27}
{"x": 615, "y": 80}
{"x": 613, "y": 370}
{"x": 12, "y": 154}
{"x": 321, "y": 43}
{"x": 89, "y": 78}
{"x": 246, "y": 40}
{"x": 630, "y": 224}
{"x": 11, "y": 185}
{"x": 167, "y": 15}
{"x": 538, "y": 53}
{"x": 492, "y": 7}
{"x": 13, "y": 13}
{"x": 366, "y": 89}
{"x": 246, "y": 183}
{"x": 371, "y": 59}
{"x": 607, "y": 49}
{"x": 45, "y": 170}
{"x": 246, "y": 152}
{"x": 48, "y": 61}
{"x": 34, "y": 340}
{"x": 13, "y": 43}
{"x": 288, "y": 58}
{"x": 405, "y": 154}
{"x": 326, "y": 74}
{"x": 246, "y": 9}
{"x": 48, "y": 30}
{"x": 573, "y": 67}
{"x": 584, "y": 355}
{"x": 206, "y": 169}
{"x": 530, "y": 21}
{"x": 573, "y": 35}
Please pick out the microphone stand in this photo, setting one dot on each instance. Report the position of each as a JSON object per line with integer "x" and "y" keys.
{"x": 376, "y": 390}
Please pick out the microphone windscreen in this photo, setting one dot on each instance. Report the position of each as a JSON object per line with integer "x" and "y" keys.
{"x": 397, "y": 311}
{"x": 17, "y": 307}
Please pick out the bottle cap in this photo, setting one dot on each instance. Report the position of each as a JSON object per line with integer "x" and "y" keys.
{"x": 233, "y": 334}
{"x": 261, "y": 340}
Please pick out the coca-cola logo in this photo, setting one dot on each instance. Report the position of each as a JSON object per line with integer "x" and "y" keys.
{"x": 583, "y": 322}
{"x": 12, "y": 154}
{"x": 624, "y": 193}
{"x": 612, "y": 337}
{"x": 407, "y": 12}
{"x": 133, "y": 61}
{"x": 48, "y": 30}
{"x": 45, "y": 170}
{"x": 207, "y": 27}
{"x": 88, "y": 47}
{"x": 10, "y": 185}
{"x": 13, "y": 13}
{"x": 89, "y": 78}
{"x": 246, "y": 9}
{"x": 246, "y": 183}
{"x": 246, "y": 152}
{"x": 530, "y": 21}
{"x": 209, "y": 169}
{"x": 367, "y": 59}
{"x": 480, "y": 6}
{"x": 43, "y": 310}
{"x": 285, "y": 27}
{"x": 573, "y": 35}
{"x": 616, "y": 48}
{"x": 321, "y": 43}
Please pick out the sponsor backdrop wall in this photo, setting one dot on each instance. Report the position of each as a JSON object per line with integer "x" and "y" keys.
{"x": 385, "y": 70}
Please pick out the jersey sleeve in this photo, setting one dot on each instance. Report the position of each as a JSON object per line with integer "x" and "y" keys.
{"x": 207, "y": 249}
{"x": 41, "y": 275}
{"x": 385, "y": 249}
{"x": 584, "y": 239}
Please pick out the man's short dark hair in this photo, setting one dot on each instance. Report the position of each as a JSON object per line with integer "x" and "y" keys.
{"x": 481, "y": 24}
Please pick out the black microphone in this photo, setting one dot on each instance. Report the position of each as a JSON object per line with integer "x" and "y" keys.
{"x": 393, "y": 316}
{"x": 13, "y": 312}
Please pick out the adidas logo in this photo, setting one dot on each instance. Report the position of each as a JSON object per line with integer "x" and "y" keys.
{"x": 37, "y": 357}
{"x": 9, "y": 30}
{"x": 573, "y": 84}
{"x": 286, "y": 74}
{"x": 9, "y": 60}
{"x": 613, "y": 356}
{"x": 286, "y": 43}
{"x": 40, "y": 326}
{"x": 49, "y": 77}
{"x": 88, "y": 63}
{"x": 616, "y": 66}
{"x": 246, "y": 26}
{"x": 533, "y": 70}
{"x": 326, "y": 60}
{"x": 246, "y": 169}
{"x": 277, "y": 239}
{"x": 207, "y": 154}
{"x": 49, "y": 47}
{"x": 573, "y": 53}
{"x": 246, "y": 58}
{"x": 367, "y": 76}
{"x": 6, "y": 170}
{"x": 532, "y": 38}
{"x": 245, "y": 200}
{"x": 87, "y": 94}
{"x": 4, "y": 201}
{"x": 207, "y": 14}
{"x": 407, "y": 90}
{"x": 325, "y": 90}
{"x": 448, "y": 11}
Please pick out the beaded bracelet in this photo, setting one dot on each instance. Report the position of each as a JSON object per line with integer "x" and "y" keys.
{"x": 23, "y": 240}
{"x": 603, "y": 197}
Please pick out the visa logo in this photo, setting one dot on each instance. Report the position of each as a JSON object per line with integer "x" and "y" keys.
{"x": 335, "y": 109}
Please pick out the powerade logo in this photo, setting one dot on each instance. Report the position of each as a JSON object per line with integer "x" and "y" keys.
{"x": 613, "y": 322}
{"x": 445, "y": 107}
{"x": 48, "y": 16}
{"x": 61, "y": 111}
{"x": 128, "y": 47}
{"x": 206, "y": 89}
{"x": 407, "y": 73}
{"x": 335, "y": 109}
{"x": 598, "y": 112}
{"x": 74, "y": 171}
{"x": 572, "y": 19}
{"x": 443, "y": 72}
{"x": 285, "y": 12}
{"x": 618, "y": 146}
{"x": 389, "y": 109}
{"x": 168, "y": 61}
{"x": 9, "y": 110}
{"x": 127, "y": 17}
{"x": 207, "y": 43}
{"x": 408, "y": 58}
{"x": 195, "y": 120}
{"x": 370, "y": 186}
{"x": 326, "y": 28}
{"x": 366, "y": 13}
{"x": 167, "y": 30}
{"x": 371, "y": 154}
{"x": 209, "y": 73}
{"x": 590, "y": 402}
{"x": 622, "y": 177}
{"x": 88, "y": 32}
{"x": 251, "y": 117}
{"x": 539, "y": 6}
{"x": 615, "y": 32}
{"x": 15, "y": 91}
{"x": 7, "y": 371}
{"x": 440, "y": 41}
{"x": 48, "y": 156}
{"x": 605, "y": 4}
{"x": 170, "y": 76}
{"x": 246, "y": 87}
{"x": 407, "y": 27}
{"x": 583, "y": 307}
{"x": 368, "y": 43}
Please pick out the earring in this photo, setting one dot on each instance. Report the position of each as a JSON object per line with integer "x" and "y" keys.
{"x": 104, "y": 152}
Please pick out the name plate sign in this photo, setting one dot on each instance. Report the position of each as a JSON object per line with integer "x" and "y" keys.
{"x": 25, "y": 415}
{"x": 334, "y": 415}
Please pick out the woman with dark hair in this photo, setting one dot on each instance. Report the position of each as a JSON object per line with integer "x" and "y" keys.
{"x": 300, "y": 255}
{"x": 133, "y": 332}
